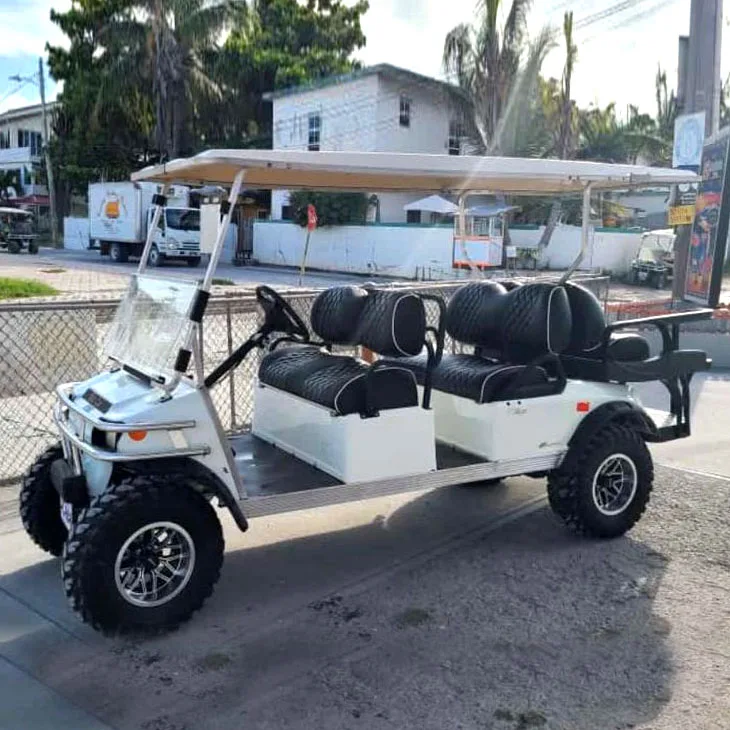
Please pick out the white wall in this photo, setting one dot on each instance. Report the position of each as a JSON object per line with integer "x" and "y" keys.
{"x": 385, "y": 250}
{"x": 609, "y": 250}
{"x": 76, "y": 233}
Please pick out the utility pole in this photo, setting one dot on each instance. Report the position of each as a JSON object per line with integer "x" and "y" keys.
{"x": 40, "y": 80}
{"x": 47, "y": 155}
{"x": 699, "y": 90}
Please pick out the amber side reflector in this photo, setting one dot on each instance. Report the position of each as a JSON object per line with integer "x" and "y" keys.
{"x": 582, "y": 406}
{"x": 138, "y": 435}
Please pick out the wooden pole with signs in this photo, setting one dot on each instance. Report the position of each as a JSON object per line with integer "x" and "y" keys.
{"x": 311, "y": 225}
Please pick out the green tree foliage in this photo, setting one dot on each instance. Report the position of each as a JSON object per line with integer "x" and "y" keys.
{"x": 333, "y": 209}
{"x": 275, "y": 44}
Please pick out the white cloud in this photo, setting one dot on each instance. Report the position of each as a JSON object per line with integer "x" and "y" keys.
{"x": 27, "y": 26}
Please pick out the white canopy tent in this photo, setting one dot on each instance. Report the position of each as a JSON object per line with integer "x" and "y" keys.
{"x": 433, "y": 204}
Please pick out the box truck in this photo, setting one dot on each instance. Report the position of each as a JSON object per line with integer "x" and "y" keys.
{"x": 120, "y": 215}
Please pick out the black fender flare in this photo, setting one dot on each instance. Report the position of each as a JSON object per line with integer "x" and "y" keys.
{"x": 202, "y": 478}
{"x": 623, "y": 412}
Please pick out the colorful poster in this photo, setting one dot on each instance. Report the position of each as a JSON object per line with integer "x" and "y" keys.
{"x": 710, "y": 228}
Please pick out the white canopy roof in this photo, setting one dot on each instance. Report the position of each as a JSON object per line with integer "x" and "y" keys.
{"x": 384, "y": 172}
{"x": 433, "y": 204}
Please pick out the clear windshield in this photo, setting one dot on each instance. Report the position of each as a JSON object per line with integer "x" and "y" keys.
{"x": 182, "y": 219}
{"x": 151, "y": 324}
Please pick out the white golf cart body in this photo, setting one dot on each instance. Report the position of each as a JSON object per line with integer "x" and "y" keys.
{"x": 330, "y": 427}
{"x": 148, "y": 391}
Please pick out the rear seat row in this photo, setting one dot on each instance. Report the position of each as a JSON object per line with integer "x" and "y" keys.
{"x": 525, "y": 340}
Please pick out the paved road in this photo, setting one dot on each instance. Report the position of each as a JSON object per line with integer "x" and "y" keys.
{"x": 93, "y": 261}
{"x": 463, "y": 608}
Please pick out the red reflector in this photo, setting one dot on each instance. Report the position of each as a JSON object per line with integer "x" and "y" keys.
{"x": 582, "y": 406}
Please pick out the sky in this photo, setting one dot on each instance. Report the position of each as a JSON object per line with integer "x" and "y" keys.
{"x": 617, "y": 55}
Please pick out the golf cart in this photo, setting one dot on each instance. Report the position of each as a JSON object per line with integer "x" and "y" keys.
{"x": 16, "y": 231}
{"x": 654, "y": 262}
{"x": 533, "y": 382}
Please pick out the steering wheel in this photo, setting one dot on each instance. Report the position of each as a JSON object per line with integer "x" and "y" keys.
{"x": 280, "y": 315}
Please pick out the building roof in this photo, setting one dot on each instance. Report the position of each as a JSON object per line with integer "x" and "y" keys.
{"x": 380, "y": 69}
{"x": 403, "y": 172}
{"x": 25, "y": 111}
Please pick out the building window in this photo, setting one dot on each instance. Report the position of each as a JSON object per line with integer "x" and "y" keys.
{"x": 36, "y": 144}
{"x": 287, "y": 213}
{"x": 404, "y": 116}
{"x": 456, "y": 134}
{"x": 413, "y": 216}
{"x": 315, "y": 132}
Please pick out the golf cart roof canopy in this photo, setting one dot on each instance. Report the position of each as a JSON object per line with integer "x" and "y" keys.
{"x": 384, "y": 172}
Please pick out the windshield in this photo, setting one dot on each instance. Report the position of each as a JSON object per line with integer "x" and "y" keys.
{"x": 183, "y": 219}
{"x": 151, "y": 324}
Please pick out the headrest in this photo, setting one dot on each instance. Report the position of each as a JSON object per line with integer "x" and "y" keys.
{"x": 589, "y": 321}
{"x": 535, "y": 320}
{"x": 335, "y": 314}
{"x": 392, "y": 323}
{"x": 473, "y": 313}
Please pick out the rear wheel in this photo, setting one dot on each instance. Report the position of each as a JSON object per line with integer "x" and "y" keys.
{"x": 603, "y": 489}
{"x": 40, "y": 505}
{"x": 118, "y": 253}
{"x": 143, "y": 556}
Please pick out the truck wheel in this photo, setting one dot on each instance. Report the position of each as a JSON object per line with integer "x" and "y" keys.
{"x": 603, "y": 488}
{"x": 193, "y": 262}
{"x": 14, "y": 246}
{"x": 156, "y": 258}
{"x": 661, "y": 281}
{"x": 33, "y": 247}
{"x": 143, "y": 556}
{"x": 40, "y": 505}
{"x": 118, "y": 253}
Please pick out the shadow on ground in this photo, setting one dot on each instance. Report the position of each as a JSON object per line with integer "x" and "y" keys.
{"x": 404, "y": 622}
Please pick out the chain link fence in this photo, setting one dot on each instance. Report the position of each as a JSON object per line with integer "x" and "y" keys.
{"x": 43, "y": 344}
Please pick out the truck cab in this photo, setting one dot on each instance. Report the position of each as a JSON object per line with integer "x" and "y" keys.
{"x": 177, "y": 236}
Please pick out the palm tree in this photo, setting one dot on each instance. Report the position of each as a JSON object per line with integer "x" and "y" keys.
{"x": 162, "y": 42}
{"x": 498, "y": 71}
{"x": 565, "y": 142}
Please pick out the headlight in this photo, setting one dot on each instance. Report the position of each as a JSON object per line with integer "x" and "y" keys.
{"x": 173, "y": 243}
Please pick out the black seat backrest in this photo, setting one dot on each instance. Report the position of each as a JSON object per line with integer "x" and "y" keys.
{"x": 519, "y": 325}
{"x": 589, "y": 322}
{"x": 390, "y": 323}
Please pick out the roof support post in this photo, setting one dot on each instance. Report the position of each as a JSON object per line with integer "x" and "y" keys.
{"x": 159, "y": 205}
{"x": 583, "y": 234}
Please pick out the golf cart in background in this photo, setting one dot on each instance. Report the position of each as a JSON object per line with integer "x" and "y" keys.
{"x": 531, "y": 381}
{"x": 654, "y": 262}
{"x": 16, "y": 231}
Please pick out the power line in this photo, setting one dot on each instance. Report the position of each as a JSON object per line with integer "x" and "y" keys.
{"x": 13, "y": 91}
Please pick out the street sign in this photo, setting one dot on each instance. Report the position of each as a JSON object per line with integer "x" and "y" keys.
{"x": 689, "y": 136}
{"x": 681, "y": 215}
{"x": 311, "y": 217}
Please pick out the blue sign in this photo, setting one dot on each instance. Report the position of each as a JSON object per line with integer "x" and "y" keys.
{"x": 689, "y": 137}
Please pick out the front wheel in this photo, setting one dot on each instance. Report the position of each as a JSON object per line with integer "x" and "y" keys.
{"x": 33, "y": 247}
{"x": 14, "y": 246}
{"x": 603, "y": 489}
{"x": 156, "y": 258}
{"x": 40, "y": 505}
{"x": 143, "y": 556}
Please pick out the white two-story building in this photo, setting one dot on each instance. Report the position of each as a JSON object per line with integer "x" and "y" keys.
{"x": 376, "y": 109}
{"x": 21, "y": 146}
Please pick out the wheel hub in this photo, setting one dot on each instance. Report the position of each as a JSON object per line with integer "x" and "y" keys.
{"x": 614, "y": 484}
{"x": 154, "y": 564}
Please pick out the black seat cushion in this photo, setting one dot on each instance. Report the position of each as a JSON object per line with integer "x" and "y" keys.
{"x": 337, "y": 382}
{"x": 483, "y": 380}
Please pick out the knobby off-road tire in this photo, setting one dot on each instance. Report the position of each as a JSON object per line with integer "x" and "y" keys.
{"x": 40, "y": 505}
{"x": 92, "y": 553}
{"x": 578, "y": 490}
